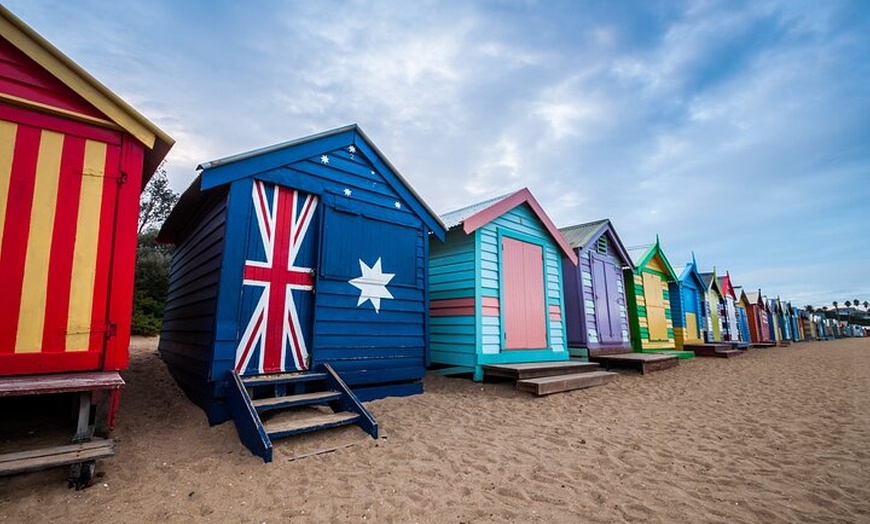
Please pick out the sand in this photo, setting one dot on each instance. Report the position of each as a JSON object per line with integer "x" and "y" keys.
{"x": 775, "y": 435}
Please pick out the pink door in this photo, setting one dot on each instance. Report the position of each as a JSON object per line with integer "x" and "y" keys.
{"x": 523, "y": 303}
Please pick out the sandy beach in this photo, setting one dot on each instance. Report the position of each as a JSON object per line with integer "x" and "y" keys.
{"x": 775, "y": 435}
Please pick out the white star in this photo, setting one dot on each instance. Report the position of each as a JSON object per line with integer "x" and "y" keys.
{"x": 347, "y": 192}
{"x": 324, "y": 159}
{"x": 372, "y": 172}
{"x": 372, "y": 284}
{"x": 352, "y": 149}
{"x": 398, "y": 205}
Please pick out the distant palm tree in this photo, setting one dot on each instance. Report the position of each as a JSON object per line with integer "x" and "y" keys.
{"x": 866, "y": 305}
{"x": 809, "y": 308}
{"x": 836, "y": 306}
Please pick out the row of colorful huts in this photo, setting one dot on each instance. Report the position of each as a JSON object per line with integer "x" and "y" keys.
{"x": 311, "y": 261}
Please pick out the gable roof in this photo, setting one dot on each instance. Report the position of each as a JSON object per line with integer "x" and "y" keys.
{"x": 457, "y": 217}
{"x": 641, "y": 255}
{"x": 755, "y": 297}
{"x": 582, "y": 236}
{"x": 690, "y": 272}
{"x": 712, "y": 282}
{"x": 243, "y": 165}
{"x": 478, "y": 215}
{"x": 119, "y": 113}
{"x": 726, "y": 286}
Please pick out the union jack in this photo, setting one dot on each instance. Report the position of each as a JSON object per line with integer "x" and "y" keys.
{"x": 283, "y": 221}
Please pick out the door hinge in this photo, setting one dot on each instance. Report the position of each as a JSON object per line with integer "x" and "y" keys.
{"x": 111, "y": 330}
{"x": 122, "y": 178}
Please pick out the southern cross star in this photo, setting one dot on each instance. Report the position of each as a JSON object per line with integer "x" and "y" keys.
{"x": 372, "y": 284}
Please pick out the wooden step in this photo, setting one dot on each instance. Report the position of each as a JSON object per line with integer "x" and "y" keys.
{"x": 559, "y": 383}
{"x": 538, "y": 369}
{"x": 281, "y": 378}
{"x": 288, "y": 401}
{"x": 286, "y": 428}
{"x": 22, "y": 461}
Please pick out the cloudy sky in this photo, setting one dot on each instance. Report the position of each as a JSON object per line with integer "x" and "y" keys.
{"x": 737, "y": 130}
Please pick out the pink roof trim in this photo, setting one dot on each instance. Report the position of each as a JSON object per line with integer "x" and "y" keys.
{"x": 523, "y": 196}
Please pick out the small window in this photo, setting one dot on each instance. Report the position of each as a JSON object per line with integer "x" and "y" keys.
{"x": 601, "y": 246}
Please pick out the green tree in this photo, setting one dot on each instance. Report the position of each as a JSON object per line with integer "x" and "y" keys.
{"x": 156, "y": 202}
{"x": 152, "y": 259}
{"x": 152, "y": 281}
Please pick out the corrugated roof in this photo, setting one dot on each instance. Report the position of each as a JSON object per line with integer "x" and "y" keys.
{"x": 457, "y": 217}
{"x": 707, "y": 278}
{"x": 638, "y": 252}
{"x": 580, "y": 235}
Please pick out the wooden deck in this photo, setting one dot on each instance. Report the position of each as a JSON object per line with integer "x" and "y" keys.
{"x": 59, "y": 383}
{"x": 643, "y": 362}
{"x": 718, "y": 350}
{"x": 546, "y": 378}
{"x": 609, "y": 351}
{"x": 538, "y": 369}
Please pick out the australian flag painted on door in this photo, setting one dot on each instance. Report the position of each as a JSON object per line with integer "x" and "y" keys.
{"x": 307, "y": 252}
{"x": 278, "y": 281}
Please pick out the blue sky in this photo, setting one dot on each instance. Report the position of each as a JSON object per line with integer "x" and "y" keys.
{"x": 737, "y": 130}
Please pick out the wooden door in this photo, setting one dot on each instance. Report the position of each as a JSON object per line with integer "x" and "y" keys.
{"x": 691, "y": 327}
{"x": 605, "y": 292}
{"x": 278, "y": 292}
{"x": 692, "y": 310}
{"x": 523, "y": 300}
{"x": 655, "y": 307}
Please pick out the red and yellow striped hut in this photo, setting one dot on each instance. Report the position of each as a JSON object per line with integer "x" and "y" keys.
{"x": 73, "y": 160}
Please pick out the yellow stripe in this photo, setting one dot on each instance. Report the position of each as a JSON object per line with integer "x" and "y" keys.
{"x": 31, "y": 317}
{"x": 84, "y": 268}
{"x": 8, "y": 131}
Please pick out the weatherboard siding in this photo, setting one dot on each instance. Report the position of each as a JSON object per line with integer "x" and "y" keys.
{"x": 590, "y": 337}
{"x": 639, "y": 322}
{"x": 189, "y": 314}
{"x": 466, "y": 309}
{"x": 453, "y": 331}
{"x": 365, "y": 213}
{"x": 522, "y": 222}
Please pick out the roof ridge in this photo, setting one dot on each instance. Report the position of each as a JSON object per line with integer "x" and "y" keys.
{"x": 480, "y": 203}
{"x": 585, "y": 224}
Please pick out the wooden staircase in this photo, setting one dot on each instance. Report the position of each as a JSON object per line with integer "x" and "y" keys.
{"x": 545, "y": 378}
{"x": 267, "y": 407}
